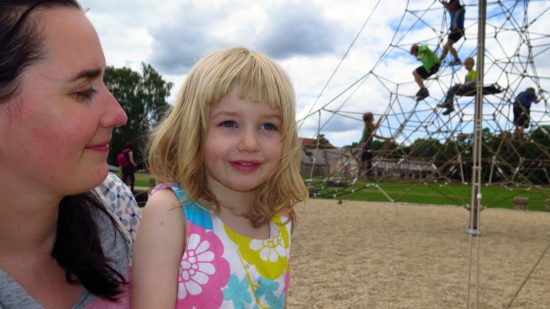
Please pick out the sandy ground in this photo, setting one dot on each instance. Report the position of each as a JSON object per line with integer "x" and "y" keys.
{"x": 387, "y": 255}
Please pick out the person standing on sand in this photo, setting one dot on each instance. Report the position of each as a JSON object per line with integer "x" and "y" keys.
{"x": 365, "y": 143}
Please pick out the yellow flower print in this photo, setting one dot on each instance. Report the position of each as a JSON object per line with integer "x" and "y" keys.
{"x": 270, "y": 249}
{"x": 269, "y": 256}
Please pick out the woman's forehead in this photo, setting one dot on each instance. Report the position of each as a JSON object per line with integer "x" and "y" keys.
{"x": 71, "y": 43}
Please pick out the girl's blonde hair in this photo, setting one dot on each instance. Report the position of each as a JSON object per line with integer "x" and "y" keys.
{"x": 176, "y": 150}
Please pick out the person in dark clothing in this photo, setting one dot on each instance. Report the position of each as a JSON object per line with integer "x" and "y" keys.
{"x": 456, "y": 29}
{"x": 129, "y": 167}
{"x": 522, "y": 109}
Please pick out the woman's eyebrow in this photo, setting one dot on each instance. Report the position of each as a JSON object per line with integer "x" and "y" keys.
{"x": 87, "y": 74}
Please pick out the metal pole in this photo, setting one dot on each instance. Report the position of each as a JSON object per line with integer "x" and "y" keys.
{"x": 477, "y": 147}
{"x": 478, "y": 124}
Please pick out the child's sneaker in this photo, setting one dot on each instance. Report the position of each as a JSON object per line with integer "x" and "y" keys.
{"x": 421, "y": 91}
{"x": 422, "y": 94}
{"x": 446, "y": 104}
{"x": 449, "y": 110}
{"x": 455, "y": 62}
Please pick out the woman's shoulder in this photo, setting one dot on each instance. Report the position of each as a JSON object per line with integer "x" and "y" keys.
{"x": 120, "y": 202}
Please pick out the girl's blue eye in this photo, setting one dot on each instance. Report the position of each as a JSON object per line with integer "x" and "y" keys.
{"x": 85, "y": 95}
{"x": 228, "y": 124}
{"x": 269, "y": 127}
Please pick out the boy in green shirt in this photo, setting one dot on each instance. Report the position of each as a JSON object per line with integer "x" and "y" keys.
{"x": 468, "y": 86}
{"x": 430, "y": 65}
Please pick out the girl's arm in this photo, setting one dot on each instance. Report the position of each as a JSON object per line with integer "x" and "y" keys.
{"x": 382, "y": 137}
{"x": 157, "y": 252}
{"x": 376, "y": 126}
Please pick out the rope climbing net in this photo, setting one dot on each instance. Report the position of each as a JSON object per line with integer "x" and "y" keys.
{"x": 425, "y": 144}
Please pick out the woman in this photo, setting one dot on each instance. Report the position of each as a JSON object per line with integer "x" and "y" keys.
{"x": 65, "y": 225}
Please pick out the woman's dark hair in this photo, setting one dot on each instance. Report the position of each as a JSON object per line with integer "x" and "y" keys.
{"x": 78, "y": 250}
{"x": 21, "y": 43}
{"x": 77, "y": 246}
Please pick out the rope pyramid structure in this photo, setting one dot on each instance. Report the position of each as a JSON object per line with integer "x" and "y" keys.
{"x": 427, "y": 146}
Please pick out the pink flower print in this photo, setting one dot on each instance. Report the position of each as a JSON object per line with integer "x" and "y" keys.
{"x": 195, "y": 267}
{"x": 287, "y": 282}
{"x": 202, "y": 271}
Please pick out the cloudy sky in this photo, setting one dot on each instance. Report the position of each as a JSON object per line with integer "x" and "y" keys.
{"x": 344, "y": 57}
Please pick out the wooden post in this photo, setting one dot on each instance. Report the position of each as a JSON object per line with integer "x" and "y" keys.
{"x": 521, "y": 203}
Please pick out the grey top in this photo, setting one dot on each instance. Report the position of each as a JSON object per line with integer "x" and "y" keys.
{"x": 120, "y": 203}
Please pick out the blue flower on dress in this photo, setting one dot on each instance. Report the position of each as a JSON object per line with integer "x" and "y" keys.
{"x": 269, "y": 288}
{"x": 275, "y": 302}
{"x": 266, "y": 287}
{"x": 237, "y": 292}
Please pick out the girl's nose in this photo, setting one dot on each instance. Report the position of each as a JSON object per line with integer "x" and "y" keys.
{"x": 249, "y": 141}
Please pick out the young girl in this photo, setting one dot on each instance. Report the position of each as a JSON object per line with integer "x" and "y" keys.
{"x": 366, "y": 142}
{"x": 216, "y": 231}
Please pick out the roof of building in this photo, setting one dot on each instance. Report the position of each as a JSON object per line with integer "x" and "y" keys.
{"x": 312, "y": 143}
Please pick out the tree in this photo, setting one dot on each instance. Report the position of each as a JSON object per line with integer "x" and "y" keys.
{"x": 143, "y": 98}
{"x": 322, "y": 140}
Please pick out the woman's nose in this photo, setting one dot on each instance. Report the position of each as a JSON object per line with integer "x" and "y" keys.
{"x": 115, "y": 116}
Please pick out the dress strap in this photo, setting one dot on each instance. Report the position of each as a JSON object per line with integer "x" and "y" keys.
{"x": 192, "y": 210}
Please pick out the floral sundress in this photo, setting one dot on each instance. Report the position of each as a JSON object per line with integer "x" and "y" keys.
{"x": 223, "y": 269}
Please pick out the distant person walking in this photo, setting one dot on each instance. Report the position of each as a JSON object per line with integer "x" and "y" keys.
{"x": 127, "y": 164}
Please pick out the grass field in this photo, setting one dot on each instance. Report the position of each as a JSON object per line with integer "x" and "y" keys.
{"x": 495, "y": 196}
{"x": 143, "y": 179}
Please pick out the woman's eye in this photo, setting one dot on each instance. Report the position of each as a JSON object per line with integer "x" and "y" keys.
{"x": 228, "y": 124}
{"x": 86, "y": 94}
{"x": 269, "y": 127}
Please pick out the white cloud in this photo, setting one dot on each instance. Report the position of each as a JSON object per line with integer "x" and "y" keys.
{"x": 309, "y": 39}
